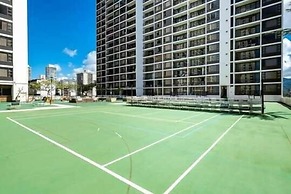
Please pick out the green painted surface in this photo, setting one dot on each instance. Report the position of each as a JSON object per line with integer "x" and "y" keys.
{"x": 253, "y": 157}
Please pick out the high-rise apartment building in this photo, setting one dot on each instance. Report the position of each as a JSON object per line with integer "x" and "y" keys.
{"x": 217, "y": 48}
{"x": 85, "y": 78}
{"x": 50, "y": 72}
{"x": 119, "y": 46}
{"x": 13, "y": 50}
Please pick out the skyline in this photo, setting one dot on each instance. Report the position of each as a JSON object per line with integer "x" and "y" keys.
{"x": 63, "y": 34}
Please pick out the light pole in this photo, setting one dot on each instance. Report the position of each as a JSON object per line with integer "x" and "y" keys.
{"x": 51, "y": 90}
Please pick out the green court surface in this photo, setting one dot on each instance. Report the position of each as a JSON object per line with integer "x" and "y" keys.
{"x": 113, "y": 148}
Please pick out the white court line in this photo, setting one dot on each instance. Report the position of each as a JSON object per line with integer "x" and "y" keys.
{"x": 136, "y": 116}
{"x": 38, "y": 108}
{"x": 200, "y": 158}
{"x": 190, "y": 117}
{"x": 150, "y": 113}
{"x": 56, "y": 115}
{"x": 159, "y": 141}
{"x": 117, "y": 176}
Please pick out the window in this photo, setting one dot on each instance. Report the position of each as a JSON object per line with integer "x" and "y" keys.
{"x": 4, "y": 57}
{"x": 271, "y": 24}
{"x": 6, "y": 73}
{"x": 272, "y": 76}
{"x": 167, "y": 13}
{"x": 272, "y": 50}
{"x": 167, "y": 22}
{"x": 167, "y": 30}
{"x": 5, "y": 26}
{"x": 213, "y": 5}
{"x": 213, "y": 16}
{"x": 274, "y": 63}
{"x": 167, "y": 4}
{"x": 272, "y": 89}
{"x": 213, "y": 37}
{"x": 213, "y": 48}
{"x": 271, "y": 37}
{"x": 158, "y": 17}
{"x": 268, "y": 2}
{"x": 168, "y": 48}
{"x": 7, "y": 42}
{"x": 213, "y": 59}
{"x": 272, "y": 11}
{"x": 5, "y": 10}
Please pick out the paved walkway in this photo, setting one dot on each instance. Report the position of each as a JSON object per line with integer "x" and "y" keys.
{"x": 43, "y": 107}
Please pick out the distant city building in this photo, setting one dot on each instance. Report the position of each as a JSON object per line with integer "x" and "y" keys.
{"x": 42, "y": 77}
{"x": 85, "y": 78}
{"x": 68, "y": 87}
{"x": 29, "y": 72}
{"x": 14, "y": 50}
{"x": 51, "y": 72}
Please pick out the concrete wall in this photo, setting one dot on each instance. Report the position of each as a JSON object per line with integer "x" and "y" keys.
{"x": 286, "y": 100}
{"x": 20, "y": 50}
{"x": 224, "y": 66}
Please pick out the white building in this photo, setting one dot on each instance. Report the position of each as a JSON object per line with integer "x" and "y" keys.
{"x": 217, "y": 48}
{"x": 85, "y": 78}
{"x": 68, "y": 87}
{"x": 50, "y": 72}
{"x": 42, "y": 77}
{"x": 13, "y": 50}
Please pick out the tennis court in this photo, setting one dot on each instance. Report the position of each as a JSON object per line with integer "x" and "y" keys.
{"x": 112, "y": 148}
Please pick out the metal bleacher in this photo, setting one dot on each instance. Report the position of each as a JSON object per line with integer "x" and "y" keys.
{"x": 251, "y": 106}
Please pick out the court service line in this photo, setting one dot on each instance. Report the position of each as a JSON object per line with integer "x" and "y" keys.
{"x": 159, "y": 141}
{"x": 200, "y": 158}
{"x": 136, "y": 116}
{"x": 190, "y": 117}
{"x": 99, "y": 166}
{"x": 56, "y": 115}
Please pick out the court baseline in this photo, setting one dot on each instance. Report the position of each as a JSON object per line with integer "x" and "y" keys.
{"x": 99, "y": 166}
{"x": 196, "y": 162}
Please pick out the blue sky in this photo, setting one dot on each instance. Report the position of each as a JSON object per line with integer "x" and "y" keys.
{"x": 61, "y": 33}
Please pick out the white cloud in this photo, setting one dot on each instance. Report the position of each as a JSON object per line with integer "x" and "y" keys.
{"x": 78, "y": 70}
{"x": 57, "y": 66}
{"x": 70, "y": 65}
{"x": 90, "y": 61}
{"x": 287, "y": 14}
{"x": 286, "y": 58}
{"x": 70, "y": 52}
{"x": 89, "y": 64}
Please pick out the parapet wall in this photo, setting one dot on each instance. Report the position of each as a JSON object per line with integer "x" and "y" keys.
{"x": 286, "y": 100}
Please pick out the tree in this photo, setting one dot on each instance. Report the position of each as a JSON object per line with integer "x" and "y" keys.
{"x": 71, "y": 87}
{"x": 34, "y": 87}
{"x": 47, "y": 85}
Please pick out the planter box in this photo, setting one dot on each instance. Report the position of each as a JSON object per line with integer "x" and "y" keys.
{"x": 109, "y": 99}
